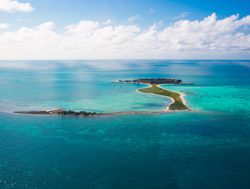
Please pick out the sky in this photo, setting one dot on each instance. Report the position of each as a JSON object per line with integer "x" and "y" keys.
{"x": 124, "y": 29}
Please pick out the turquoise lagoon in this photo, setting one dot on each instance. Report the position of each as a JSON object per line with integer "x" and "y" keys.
{"x": 206, "y": 148}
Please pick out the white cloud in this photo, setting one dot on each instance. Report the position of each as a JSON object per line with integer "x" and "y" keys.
{"x": 15, "y": 6}
{"x": 4, "y": 26}
{"x": 83, "y": 27}
{"x": 207, "y": 38}
{"x": 108, "y": 22}
{"x": 46, "y": 26}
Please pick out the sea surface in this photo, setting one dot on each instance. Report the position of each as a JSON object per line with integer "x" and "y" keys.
{"x": 206, "y": 148}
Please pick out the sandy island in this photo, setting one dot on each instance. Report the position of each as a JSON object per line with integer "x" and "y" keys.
{"x": 178, "y": 101}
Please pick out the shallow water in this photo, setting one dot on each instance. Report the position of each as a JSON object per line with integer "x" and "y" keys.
{"x": 207, "y": 148}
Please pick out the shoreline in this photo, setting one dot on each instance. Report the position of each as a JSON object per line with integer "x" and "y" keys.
{"x": 173, "y": 101}
{"x": 178, "y": 98}
{"x": 182, "y": 96}
{"x": 167, "y": 109}
{"x": 42, "y": 113}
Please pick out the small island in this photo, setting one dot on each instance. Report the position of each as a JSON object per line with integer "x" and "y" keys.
{"x": 157, "y": 81}
{"x": 178, "y": 102}
{"x": 177, "y": 98}
{"x": 60, "y": 112}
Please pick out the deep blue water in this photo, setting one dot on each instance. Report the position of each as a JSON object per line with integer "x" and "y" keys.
{"x": 207, "y": 148}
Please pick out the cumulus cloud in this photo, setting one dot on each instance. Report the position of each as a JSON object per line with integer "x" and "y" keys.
{"x": 207, "y": 38}
{"x": 15, "y": 6}
{"x": 108, "y": 22}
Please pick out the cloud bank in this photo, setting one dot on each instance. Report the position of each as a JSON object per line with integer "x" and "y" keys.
{"x": 15, "y": 6}
{"x": 207, "y": 38}
{"x": 4, "y": 26}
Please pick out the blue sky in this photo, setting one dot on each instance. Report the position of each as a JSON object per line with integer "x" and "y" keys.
{"x": 140, "y": 29}
{"x": 64, "y": 12}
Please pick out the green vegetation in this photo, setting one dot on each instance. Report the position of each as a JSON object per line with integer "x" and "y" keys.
{"x": 60, "y": 112}
{"x": 153, "y": 89}
{"x": 73, "y": 113}
{"x": 176, "y": 105}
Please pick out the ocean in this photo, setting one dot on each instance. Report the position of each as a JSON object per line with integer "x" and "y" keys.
{"x": 206, "y": 148}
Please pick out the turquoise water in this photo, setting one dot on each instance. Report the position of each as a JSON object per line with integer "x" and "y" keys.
{"x": 207, "y": 148}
